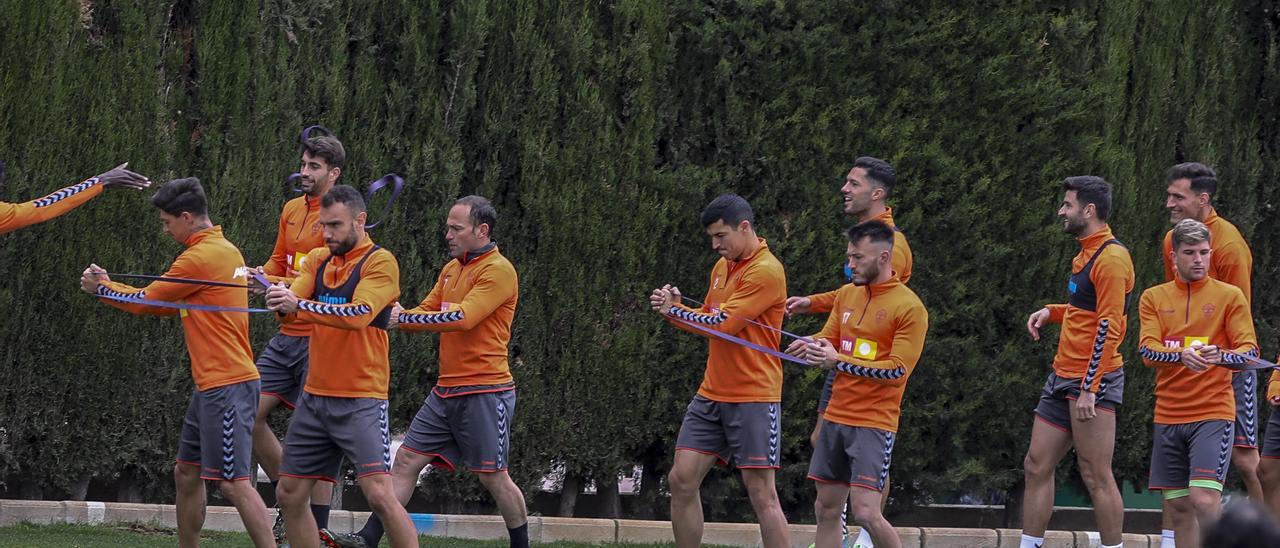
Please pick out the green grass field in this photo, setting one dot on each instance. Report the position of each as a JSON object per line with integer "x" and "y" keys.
{"x": 143, "y": 536}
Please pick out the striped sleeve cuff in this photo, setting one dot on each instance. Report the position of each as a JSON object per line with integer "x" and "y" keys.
{"x": 1159, "y": 355}
{"x": 1239, "y": 359}
{"x": 345, "y": 310}
{"x": 697, "y": 317}
{"x": 432, "y": 318}
{"x": 871, "y": 372}
{"x": 66, "y": 193}
{"x": 104, "y": 291}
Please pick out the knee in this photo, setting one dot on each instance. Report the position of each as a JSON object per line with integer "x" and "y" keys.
{"x": 864, "y": 514}
{"x": 1036, "y": 467}
{"x": 827, "y": 512}
{"x": 233, "y": 490}
{"x": 185, "y": 474}
{"x": 1269, "y": 471}
{"x": 381, "y": 501}
{"x": 1245, "y": 461}
{"x": 1094, "y": 476}
{"x": 1206, "y": 504}
{"x": 681, "y": 483}
{"x": 289, "y": 493}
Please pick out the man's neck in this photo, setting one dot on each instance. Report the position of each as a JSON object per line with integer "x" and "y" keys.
{"x": 751, "y": 248}
{"x": 318, "y": 192}
{"x": 877, "y": 209}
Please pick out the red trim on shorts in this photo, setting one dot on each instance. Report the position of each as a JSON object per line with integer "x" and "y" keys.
{"x": 826, "y": 481}
{"x": 237, "y": 478}
{"x": 374, "y": 473}
{"x": 1155, "y": 488}
{"x": 1051, "y": 423}
{"x": 753, "y": 467}
{"x": 447, "y": 465}
{"x": 1271, "y": 456}
{"x": 867, "y": 487}
{"x": 186, "y": 462}
{"x": 719, "y": 459}
{"x": 505, "y": 389}
{"x": 280, "y": 397}
{"x": 300, "y": 476}
{"x": 1245, "y": 446}
{"x": 487, "y": 470}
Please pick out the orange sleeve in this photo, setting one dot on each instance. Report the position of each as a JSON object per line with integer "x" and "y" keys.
{"x": 1240, "y": 325}
{"x": 753, "y": 297}
{"x": 1056, "y": 312}
{"x": 493, "y": 287}
{"x": 304, "y": 285}
{"x": 277, "y": 266}
{"x": 1234, "y": 264}
{"x": 1150, "y": 340}
{"x": 822, "y": 302}
{"x": 379, "y": 287}
{"x": 1273, "y": 387}
{"x": 902, "y": 259}
{"x": 831, "y": 329}
{"x": 15, "y": 216}
{"x": 1166, "y": 255}
{"x": 908, "y": 344}
{"x": 185, "y": 266}
{"x": 1109, "y": 276}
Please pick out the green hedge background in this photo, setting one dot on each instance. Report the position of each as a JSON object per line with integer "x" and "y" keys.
{"x": 601, "y": 129}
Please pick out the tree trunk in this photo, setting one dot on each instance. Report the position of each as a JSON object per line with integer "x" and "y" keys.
{"x": 569, "y": 494}
{"x": 607, "y": 491}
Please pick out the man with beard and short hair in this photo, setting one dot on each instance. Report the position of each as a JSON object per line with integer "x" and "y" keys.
{"x": 873, "y": 337}
{"x": 1087, "y": 372}
{"x": 866, "y": 187}
{"x": 283, "y": 363}
{"x": 345, "y": 291}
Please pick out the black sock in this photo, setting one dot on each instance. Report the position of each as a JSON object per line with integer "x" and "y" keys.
{"x": 520, "y": 536}
{"x": 321, "y": 512}
{"x": 372, "y": 531}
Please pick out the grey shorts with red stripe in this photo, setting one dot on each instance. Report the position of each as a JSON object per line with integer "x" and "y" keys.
{"x": 1271, "y": 436}
{"x": 217, "y": 432}
{"x": 1182, "y": 453}
{"x": 470, "y": 425}
{"x": 283, "y": 366}
{"x": 854, "y": 455}
{"x": 324, "y": 429}
{"x": 745, "y": 435}
{"x": 1059, "y": 393}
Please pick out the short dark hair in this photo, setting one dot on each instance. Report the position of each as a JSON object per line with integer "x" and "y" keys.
{"x": 344, "y": 194}
{"x": 1204, "y": 180}
{"x": 877, "y": 231}
{"x": 179, "y": 195}
{"x": 730, "y": 208}
{"x": 482, "y": 211}
{"x": 327, "y": 147}
{"x": 1091, "y": 190}
{"x": 878, "y": 172}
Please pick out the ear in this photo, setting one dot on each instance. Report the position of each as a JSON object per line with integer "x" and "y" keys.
{"x": 335, "y": 172}
{"x": 877, "y": 193}
{"x": 1090, "y": 210}
{"x": 483, "y": 229}
{"x": 362, "y": 217}
{"x": 745, "y": 224}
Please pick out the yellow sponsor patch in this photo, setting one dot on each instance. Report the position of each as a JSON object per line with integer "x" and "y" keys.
{"x": 298, "y": 259}
{"x": 859, "y": 348}
{"x": 182, "y": 312}
{"x": 1188, "y": 342}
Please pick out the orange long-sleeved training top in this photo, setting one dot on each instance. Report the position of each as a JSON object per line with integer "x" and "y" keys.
{"x": 1232, "y": 261}
{"x": 754, "y": 289}
{"x": 901, "y": 262}
{"x": 471, "y": 305}
{"x": 1104, "y": 327}
{"x": 348, "y": 355}
{"x": 217, "y": 342}
{"x": 1175, "y": 315}
{"x": 298, "y": 235}
{"x": 15, "y": 216}
{"x": 878, "y": 331}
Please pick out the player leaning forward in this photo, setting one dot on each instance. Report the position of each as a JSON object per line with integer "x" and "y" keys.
{"x": 215, "y": 443}
{"x": 467, "y": 417}
{"x": 345, "y": 291}
{"x": 1189, "y": 326}
{"x": 873, "y": 338}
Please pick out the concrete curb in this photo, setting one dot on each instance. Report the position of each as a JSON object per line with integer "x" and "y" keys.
{"x": 541, "y": 529}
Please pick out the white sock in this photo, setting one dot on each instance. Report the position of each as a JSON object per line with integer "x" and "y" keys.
{"x": 864, "y": 539}
{"x": 1031, "y": 542}
{"x": 1121, "y": 545}
{"x": 1166, "y": 538}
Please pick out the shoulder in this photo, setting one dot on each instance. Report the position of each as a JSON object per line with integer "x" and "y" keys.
{"x": 1114, "y": 260}
{"x": 1156, "y": 292}
{"x": 1228, "y": 291}
{"x": 767, "y": 266}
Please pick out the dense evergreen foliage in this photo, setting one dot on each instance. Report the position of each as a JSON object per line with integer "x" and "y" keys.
{"x": 600, "y": 129}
